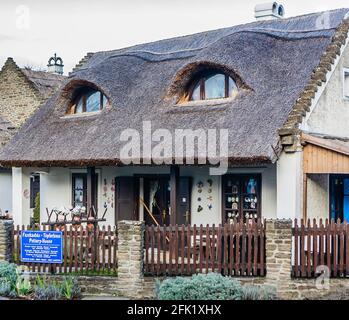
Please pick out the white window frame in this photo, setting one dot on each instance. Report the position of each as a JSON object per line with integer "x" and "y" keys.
{"x": 345, "y": 74}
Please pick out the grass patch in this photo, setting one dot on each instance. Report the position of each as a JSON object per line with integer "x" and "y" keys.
{"x": 95, "y": 273}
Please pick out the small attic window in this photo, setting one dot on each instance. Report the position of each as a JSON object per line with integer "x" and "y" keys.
{"x": 212, "y": 85}
{"x": 346, "y": 83}
{"x": 88, "y": 100}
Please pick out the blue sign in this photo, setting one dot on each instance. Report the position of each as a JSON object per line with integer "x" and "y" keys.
{"x": 42, "y": 246}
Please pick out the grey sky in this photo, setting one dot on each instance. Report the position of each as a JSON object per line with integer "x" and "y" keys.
{"x": 32, "y": 30}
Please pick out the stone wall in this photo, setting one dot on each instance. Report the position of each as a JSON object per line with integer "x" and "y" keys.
{"x": 18, "y": 97}
{"x": 6, "y": 228}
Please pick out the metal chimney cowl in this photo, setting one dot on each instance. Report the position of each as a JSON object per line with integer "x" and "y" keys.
{"x": 269, "y": 11}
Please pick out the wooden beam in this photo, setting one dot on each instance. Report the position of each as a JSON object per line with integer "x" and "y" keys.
{"x": 174, "y": 185}
{"x": 91, "y": 187}
{"x": 305, "y": 196}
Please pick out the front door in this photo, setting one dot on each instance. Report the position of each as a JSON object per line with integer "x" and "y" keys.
{"x": 339, "y": 197}
{"x": 157, "y": 191}
{"x": 157, "y": 199}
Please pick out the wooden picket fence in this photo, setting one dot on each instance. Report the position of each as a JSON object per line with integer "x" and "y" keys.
{"x": 319, "y": 245}
{"x": 236, "y": 249}
{"x": 85, "y": 250}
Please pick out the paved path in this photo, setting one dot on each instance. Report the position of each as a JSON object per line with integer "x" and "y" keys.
{"x": 101, "y": 297}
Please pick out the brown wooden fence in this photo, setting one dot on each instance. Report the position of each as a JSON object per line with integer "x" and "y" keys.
{"x": 320, "y": 244}
{"x": 236, "y": 249}
{"x": 85, "y": 250}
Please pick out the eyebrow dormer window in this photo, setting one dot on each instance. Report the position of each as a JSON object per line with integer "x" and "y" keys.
{"x": 212, "y": 85}
{"x": 89, "y": 101}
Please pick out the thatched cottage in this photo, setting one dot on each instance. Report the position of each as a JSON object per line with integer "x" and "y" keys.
{"x": 280, "y": 87}
{"x": 22, "y": 91}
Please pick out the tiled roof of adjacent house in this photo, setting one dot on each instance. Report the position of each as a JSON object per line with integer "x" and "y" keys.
{"x": 274, "y": 60}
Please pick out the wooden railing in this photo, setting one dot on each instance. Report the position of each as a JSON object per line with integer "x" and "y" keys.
{"x": 236, "y": 249}
{"x": 85, "y": 250}
{"x": 320, "y": 247}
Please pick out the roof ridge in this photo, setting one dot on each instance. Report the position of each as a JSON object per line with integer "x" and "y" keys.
{"x": 226, "y": 28}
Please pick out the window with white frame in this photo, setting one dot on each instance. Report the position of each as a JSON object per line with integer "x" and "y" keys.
{"x": 346, "y": 83}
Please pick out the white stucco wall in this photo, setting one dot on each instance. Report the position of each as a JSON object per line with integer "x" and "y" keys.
{"x": 6, "y": 191}
{"x": 318, "y": 196}
{"x": 330, "y": 115}
{"x": 56, "y": 190}
{"x": 289, "y": 185}
{"x": 21, "y": 195}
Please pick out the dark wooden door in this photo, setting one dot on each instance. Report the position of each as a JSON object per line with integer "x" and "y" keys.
{"x": 125, "y": 202}
{"x": 184, "y": 201}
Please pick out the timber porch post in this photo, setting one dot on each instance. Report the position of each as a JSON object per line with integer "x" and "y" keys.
{"x": 91, "y": 188}
{"x": 174, "y": 185}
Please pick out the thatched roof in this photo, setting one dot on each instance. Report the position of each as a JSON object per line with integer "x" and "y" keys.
{"x": 46, "y": 83}
{"x": 7, "y": 130}
{"x": 273, "y": 62}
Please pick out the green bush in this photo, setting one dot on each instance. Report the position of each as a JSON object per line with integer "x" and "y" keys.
{"x": 36, "y": 211}
{"x": 210, "y": 287}
{"x": 258, "y": 293}
{"x": 200, "y": 287}
{"x": 9, "y": 274}
{"x": 6, "y": 290}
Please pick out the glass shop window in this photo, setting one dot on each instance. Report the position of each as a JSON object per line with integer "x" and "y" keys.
{"x": 241, "y": 197}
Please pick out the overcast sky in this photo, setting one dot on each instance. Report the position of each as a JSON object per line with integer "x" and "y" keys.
{"x": 32, "y": 30}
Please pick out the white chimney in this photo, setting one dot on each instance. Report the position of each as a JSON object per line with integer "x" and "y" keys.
{"x": 55, "y": 65}
{"x": 269, "y": 11}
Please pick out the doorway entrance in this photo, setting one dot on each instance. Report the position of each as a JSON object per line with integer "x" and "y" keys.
{"x": 339, "y": 197}
{"x": 157, "y": 198}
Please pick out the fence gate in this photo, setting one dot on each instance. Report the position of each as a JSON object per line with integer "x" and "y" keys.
{"x": 318, "y": 248}
{"x": 85, "y": 249}
{"x": 236, "y": 249}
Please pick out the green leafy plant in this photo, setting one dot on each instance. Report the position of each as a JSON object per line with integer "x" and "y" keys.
{"x": 36, "y": 211}
{"x": 200, "y": 287}
{"x": 23, "y": 286}
{"x": 70, "y": 288}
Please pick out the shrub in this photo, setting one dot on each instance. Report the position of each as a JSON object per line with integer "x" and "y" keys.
{"x": 6, "y": 290}
{"x": 49, "y": 292}
{"x": 258, "y": 293}
{"x": 9, "y": 274}
{"x": 200, "y": 287}
{"x": 68, "y": 289}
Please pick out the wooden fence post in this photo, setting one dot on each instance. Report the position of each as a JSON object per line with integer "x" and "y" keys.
{"x": 130, "y": 258}
{"x": 6, "y": 240}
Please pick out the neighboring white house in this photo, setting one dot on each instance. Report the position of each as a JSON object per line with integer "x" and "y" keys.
{"x": 280, "y": 87}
